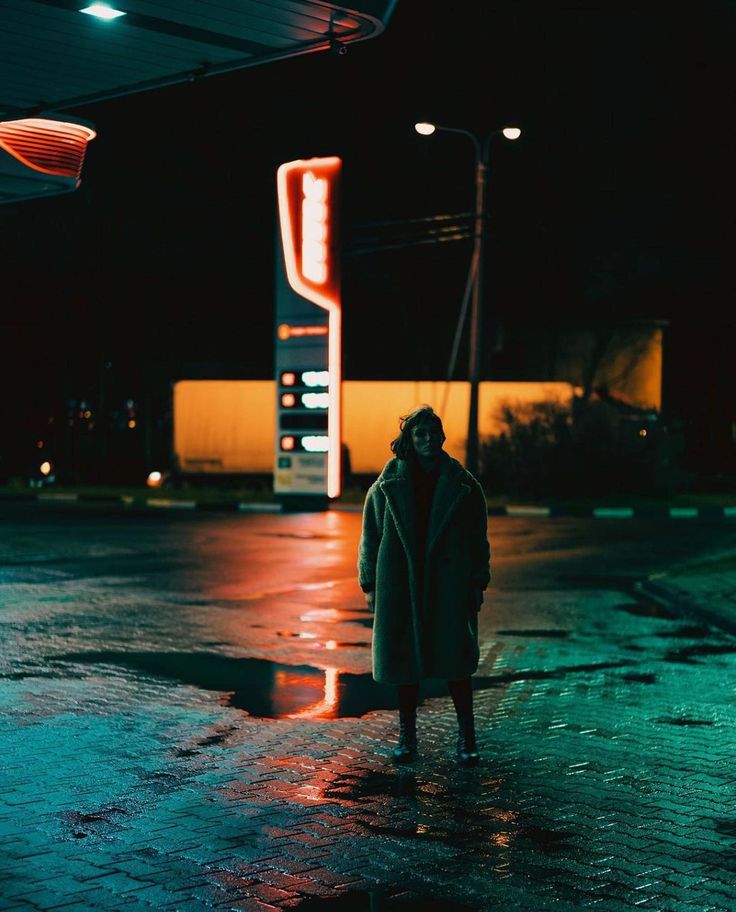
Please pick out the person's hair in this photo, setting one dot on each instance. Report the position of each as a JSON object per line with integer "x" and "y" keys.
{"x": 402, "y": 446}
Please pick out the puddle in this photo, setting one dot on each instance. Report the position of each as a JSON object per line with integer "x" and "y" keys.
{"x": 478, "y": 818}
{"x": 217, "y": 738}
{"x": 687, "y": 654}
{"x": 646, "y": 608}
{"x": 612, "y": 582}
{"x": 534, "y": 633}
{"x": 692, "y": 632}
{"x": 276, "y": 691}
{"x": 548, "y": 840}
{"x": 379, "y": 901}
{"x": 263, "y": 689}
{"x": 96, "y": 823}
{"x": 640, "y": 678}
{"x": 485, "y": 837}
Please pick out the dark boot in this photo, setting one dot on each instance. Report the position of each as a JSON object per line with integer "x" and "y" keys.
{"x": 462, "y": 696}
{"x": 406, "y": 750}
{"x": 467, "y": 749}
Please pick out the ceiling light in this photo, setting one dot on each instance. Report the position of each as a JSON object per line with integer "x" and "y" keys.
{"x": 102, "y": 11}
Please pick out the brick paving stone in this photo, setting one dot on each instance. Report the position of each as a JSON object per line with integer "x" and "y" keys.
{"x": 248, "y": 904}
{"x": 310, "y": 809}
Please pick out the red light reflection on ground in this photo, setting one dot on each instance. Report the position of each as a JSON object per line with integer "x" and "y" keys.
{"x": 326, "y": 708}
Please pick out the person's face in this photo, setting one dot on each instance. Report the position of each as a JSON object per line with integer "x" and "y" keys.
{"x": 427, "y": 439}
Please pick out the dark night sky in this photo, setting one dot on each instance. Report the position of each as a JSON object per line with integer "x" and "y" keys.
{"x": 618, "y": 200}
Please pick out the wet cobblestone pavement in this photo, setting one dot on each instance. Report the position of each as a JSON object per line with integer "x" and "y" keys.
{"x": 140, "y": 772}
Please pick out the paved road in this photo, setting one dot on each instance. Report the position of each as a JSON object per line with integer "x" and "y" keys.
{"x": 189, "y": 722}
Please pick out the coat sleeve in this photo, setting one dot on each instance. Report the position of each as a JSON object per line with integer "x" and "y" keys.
{"x": 370, "y": 538}
{"x": 479, "y": 537}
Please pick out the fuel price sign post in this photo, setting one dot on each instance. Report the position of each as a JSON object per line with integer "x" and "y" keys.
{"x": 308, "y": 335}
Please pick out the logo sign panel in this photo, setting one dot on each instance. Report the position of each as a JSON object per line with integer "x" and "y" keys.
{"x": 308, "y": 329}
{"x": 307, "y": 215}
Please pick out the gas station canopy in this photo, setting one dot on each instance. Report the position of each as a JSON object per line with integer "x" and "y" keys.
{"x": 54, "y": 56}
{"x": 57, "y": 55}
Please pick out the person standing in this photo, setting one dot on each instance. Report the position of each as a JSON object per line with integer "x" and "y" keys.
{"x": 423, "y": 564}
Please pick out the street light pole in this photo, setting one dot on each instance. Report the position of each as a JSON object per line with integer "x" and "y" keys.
{"x": 476, "y": 309}
{"x": 481, "y": 149}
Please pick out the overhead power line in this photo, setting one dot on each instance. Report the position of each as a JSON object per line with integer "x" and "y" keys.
{"x": 396, "y": 234}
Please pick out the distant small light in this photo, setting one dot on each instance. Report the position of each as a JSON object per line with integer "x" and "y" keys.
{"x": 287, "y": 443}
{"x": 425, "y": 129}
{"x": 331, "y": 644}
{"x": 283, "y": 331}
{"x": 154, "y": 479}
{"x": 511, "y": 132}
{"x": 642, "y": 432}
{"x": 316, "y": 443}
{"x": 288, "y": 378}
{"x": 102, "y": 11}
{"x": 45, "y": 468}
{"x": 131, "y": 423}
{"x": 39, "y": 444}
{"x": 288, "y": 400}
{"x": 88, "y": 414}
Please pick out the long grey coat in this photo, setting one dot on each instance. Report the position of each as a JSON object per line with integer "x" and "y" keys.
{"x": 438, "y": 638}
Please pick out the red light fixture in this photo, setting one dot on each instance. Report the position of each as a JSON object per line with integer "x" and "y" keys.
{"x": 41, "y": 157}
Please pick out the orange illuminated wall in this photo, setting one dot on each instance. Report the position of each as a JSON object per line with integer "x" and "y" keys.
{"x": 372, "y": 410}
{"x": 229, "y": 425}
{"x": 626, "y": 362}
{"x": 224, "y": 426}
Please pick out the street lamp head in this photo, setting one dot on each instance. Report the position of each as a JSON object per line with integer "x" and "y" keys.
{"x": 425, "y": 129}
{"x": 511, "y": 132}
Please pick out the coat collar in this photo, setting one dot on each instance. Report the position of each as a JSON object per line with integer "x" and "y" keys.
{"x": 452, "y": 487}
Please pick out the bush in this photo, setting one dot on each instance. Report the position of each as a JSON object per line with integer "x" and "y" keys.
{"x": 595, "y": 447}
{"x": 528, "y": 457}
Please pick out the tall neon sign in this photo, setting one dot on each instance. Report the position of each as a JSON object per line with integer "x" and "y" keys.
{"x": 309, "y": 236}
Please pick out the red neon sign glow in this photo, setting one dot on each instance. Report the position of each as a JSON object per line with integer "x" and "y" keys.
{"x": 48, "y": 146}
{"x": 307, "y": 191}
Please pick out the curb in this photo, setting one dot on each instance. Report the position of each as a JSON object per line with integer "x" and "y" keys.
{"x": 648, "y": 512}
{"x": 685, "y": 604}
{"x": 518, "y": 511}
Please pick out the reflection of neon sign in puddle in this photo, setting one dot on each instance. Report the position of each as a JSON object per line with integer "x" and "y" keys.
{"x": 276, "y": 691}
{"x": 261, "y": 688}
{"x": 327, "y": 706}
